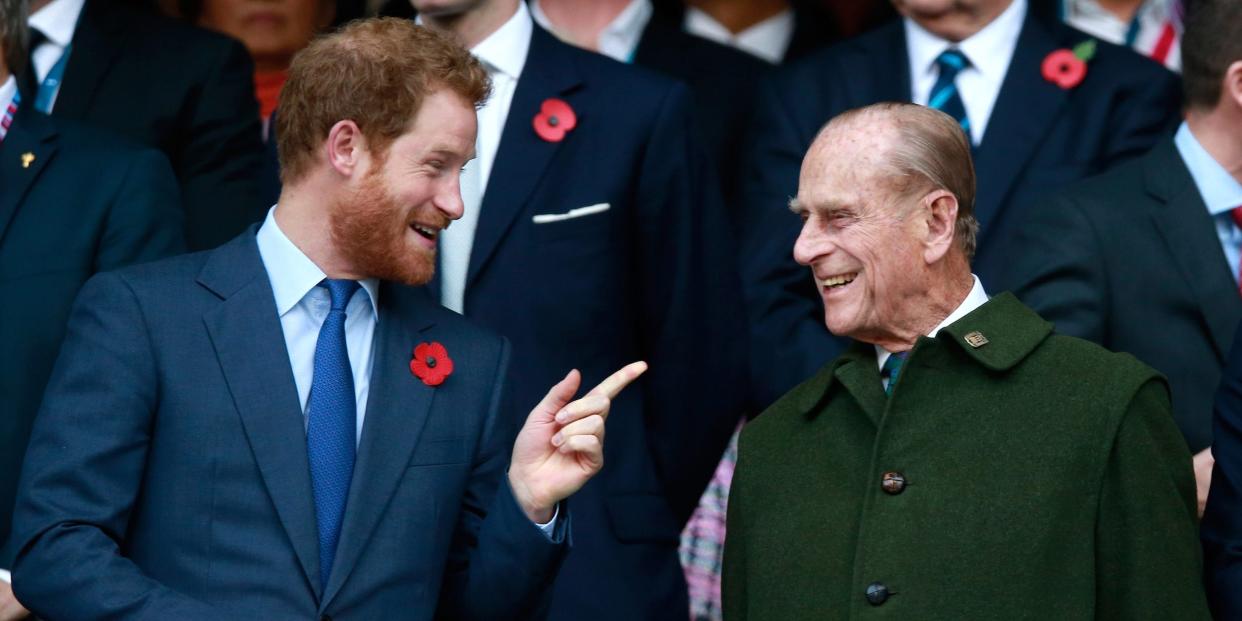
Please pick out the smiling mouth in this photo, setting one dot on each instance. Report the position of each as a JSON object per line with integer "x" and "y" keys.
{"x": 429, "y": 233}
{"x": 838, "y": 281}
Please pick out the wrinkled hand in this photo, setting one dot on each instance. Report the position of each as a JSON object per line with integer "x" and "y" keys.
{"x": 561, "y": 446}
{"x": 10, "y": 608}
{"x": 1203, "y": 463}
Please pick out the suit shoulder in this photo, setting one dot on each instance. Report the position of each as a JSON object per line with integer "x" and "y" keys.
{"x": 823, "y": 65}
{"x": 1088, "y": 362}
{"x": 613, "y": 76}
{"x": 160, "y": 276}
{"x": 1112, "y": 192}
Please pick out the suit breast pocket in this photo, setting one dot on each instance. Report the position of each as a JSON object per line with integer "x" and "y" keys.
{"x": 583, "y": 223}
{"x": 441, "y": 452}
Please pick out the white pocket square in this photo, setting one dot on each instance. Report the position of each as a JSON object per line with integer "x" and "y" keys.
{"x": 545, "y": 218}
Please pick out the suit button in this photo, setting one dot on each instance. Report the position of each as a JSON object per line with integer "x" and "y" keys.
{"x": 893, "y": 483}
{"x": 877, "y": 593}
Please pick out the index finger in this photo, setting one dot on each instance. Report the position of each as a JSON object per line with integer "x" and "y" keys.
{"x": 616, "y": 382}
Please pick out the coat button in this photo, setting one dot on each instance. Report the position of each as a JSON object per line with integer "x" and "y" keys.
{"x": 893, "y": 483}
{"x": 877, "y": 593}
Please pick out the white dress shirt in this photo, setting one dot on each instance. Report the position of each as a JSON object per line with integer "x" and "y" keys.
{"x": 619, "y": 39}
{"x": 1221, "y": 192}
{"x": 989, "y": 52}
{"x": 58, "y": 21}
{"x": 503, "y": 54}
{"x": 976, "y": 298}
{"x": 303, "y": 306}
{"x": 768, "y": 39}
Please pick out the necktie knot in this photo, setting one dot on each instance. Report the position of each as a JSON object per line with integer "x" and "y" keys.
{"x": 951, "y": 62}
{"x": 340, "y": 291}
{"x": 892, "y": 369}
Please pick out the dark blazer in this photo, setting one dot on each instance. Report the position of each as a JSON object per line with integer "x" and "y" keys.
{"x": 814, "y": 28}
{"x": 650, "y": 278}
{"x": 87, "y": 202}
{"x": 167, "y": 477}
{"x": 1131, "y": 260}
{"x": 1039, "y": 138}
{"x": 1221, "y": 527}
{"x": 722, "y": 81}
{"x": 1034, "y": 477}
{"x": 181, "y": 89}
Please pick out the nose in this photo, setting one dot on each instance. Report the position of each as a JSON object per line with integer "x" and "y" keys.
{"x": 448, "y": 200}
{"x": 811, "y": 244}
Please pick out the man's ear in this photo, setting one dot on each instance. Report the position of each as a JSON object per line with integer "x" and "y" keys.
{"x": 346, "y": 148}
{"x": 1232, "y": 86}
{"x": 940, "y": 209}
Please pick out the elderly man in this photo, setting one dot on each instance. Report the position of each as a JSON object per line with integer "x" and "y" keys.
{"x": 960, "y": 461}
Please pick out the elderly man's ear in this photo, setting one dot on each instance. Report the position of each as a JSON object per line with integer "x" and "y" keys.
{"x": 940, "y": 210}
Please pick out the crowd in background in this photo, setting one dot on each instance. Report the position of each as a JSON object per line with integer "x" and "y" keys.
{"x": 159, "y": 133}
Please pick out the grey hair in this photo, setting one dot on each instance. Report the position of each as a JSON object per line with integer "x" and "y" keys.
{"x": 14, "y": 34}
{"x": 931, "y": 153}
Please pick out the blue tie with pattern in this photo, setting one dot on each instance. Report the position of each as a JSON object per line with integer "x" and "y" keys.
{"x": 891, "y": 370}
{"x": 944, "y": 95}
{"x": 331, "y": 425}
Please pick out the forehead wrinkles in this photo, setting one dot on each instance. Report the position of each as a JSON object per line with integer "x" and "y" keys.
{"x": 847, "y": 164}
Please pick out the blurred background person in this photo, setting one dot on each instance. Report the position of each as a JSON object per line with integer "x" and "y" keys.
{"x": 1144, "y": 258}
{"x": 74, "y": 201}
{"x": 590, "y": 180}
{"x": 1152, "y": 28}
{"x": 1038, "y": 118}
{"x": 163, "y": 84}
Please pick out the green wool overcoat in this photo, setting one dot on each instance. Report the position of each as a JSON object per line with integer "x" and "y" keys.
{"x": 1031, "y": 476}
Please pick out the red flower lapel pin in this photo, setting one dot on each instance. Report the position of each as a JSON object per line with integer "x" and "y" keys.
{"x": 1066, "y": 68}
{"x": 431, "y": 363}
{"x": 555, "y": 119}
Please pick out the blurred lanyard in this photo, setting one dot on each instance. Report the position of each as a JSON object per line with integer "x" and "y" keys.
{"x": 51, "y": 84}
{"x": 9, "y": 112}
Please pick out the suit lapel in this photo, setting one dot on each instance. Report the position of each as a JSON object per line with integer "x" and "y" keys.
{"x": 397, "y": 410}
{"x": 31, "y": 135}
{"x": 96, "y": 42}
{"x": 1025, "y": 108}
{"x": 1183, "y": 220}
{"x": 249, "y": 343}
{"x": 523, "y": 157}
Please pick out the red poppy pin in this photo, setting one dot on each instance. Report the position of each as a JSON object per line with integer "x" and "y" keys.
{"x": 1066, "y": 68}
{"x": 554, "y": 120}
{"x": 431, "y": 363}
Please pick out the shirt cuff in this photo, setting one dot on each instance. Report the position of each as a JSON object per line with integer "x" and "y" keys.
{"x": 550, "y": 526}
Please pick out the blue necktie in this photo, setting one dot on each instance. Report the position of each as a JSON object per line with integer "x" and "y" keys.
{"x": 892, "y": 370}
{"x": 944, "y": 95}
{"x": 331, "y": 425}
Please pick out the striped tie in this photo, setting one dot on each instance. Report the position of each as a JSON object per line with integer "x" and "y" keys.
{"x": 944, "y": 95}
{"x": 891, "y": 370}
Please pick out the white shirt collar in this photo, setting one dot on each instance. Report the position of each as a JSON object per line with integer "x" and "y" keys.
{"x": 58, "y": 20}
{"x": 976, "y": 298}
{"x": 1220, "y": 191}
{"x": 988, "y": 50}
{"x": 619, "y": 39}
{"x": 7, "y": 90}
{"x": 291, "y": 272}
{"x": 768, "y": 39}
{"x": 505, "y": 50}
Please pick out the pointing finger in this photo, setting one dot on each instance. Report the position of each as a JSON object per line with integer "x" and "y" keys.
{"x": 616, "y": 382}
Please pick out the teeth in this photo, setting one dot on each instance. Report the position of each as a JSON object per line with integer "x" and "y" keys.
{"x": 836, "y": 281}
{"x": 424, "y": 230}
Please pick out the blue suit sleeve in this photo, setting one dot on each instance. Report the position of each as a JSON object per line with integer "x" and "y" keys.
{"x": 501, "y": 564}
{"x": 84, "y": 469}
{"x": 1221, "y": 527}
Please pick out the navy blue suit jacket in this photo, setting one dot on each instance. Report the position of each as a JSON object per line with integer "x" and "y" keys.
{"x": 167, "y": 476}
{"x": 651, "y": 278}
{"x": 87, "y": 202}
{"x": 181, "y": 89}
{"x": 1221, "y": 527}
{"x": 1038, "y": 139}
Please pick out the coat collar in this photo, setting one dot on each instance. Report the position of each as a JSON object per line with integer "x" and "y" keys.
{"x": 1012, "y": 330}
{"x": 32, "y": 135}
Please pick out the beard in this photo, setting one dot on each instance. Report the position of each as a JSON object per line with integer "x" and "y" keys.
{"x": 369, "y": 229}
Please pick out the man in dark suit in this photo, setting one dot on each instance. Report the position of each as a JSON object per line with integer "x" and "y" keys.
{"x": 73, "y": 201}
{"x": 589, "y": 183}
{"x": 164, "y": 84}
{"x": 722, "y": 80}
{"x": 1144, "y": 258}
{"x": 983, "y": 63}
{"x": 194, "y": 457}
